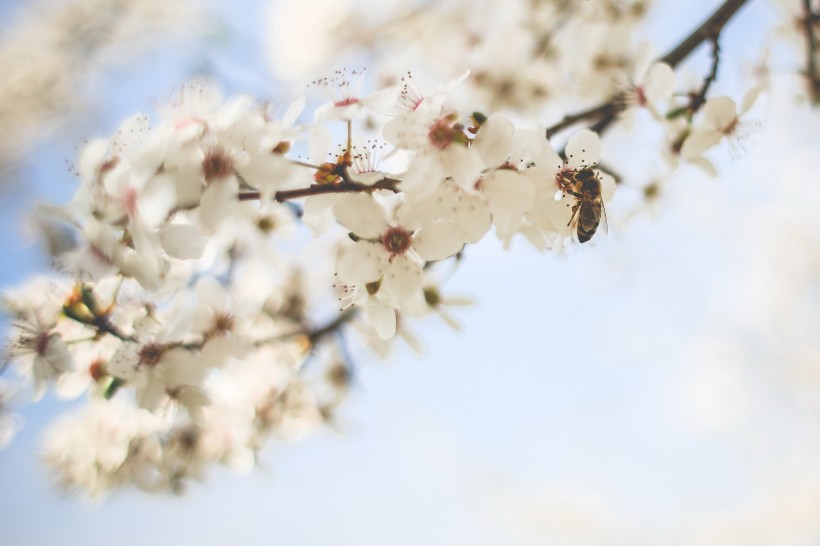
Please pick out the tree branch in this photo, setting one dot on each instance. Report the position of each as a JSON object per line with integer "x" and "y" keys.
{"x": 696, "y": 100}
{"x": 571, "y": 119}
{"x": 811, "y": 51}
{"x": 344, "y": 317}
{"x": 607, "y": 112}
{"x": 712, "y": 27}
{"x": 389, "y": 184}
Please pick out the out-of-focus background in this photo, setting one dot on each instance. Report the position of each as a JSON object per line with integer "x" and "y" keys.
{"x": 659, "y": 386}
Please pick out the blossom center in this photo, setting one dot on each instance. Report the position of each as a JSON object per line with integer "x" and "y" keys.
{"x": 397, "y": 240}
{"x": 731, "y": 128}
{"x": 441, "y": 134}
{"x": 130, "y": 202}
{"x": 151, "y": 353}
{"x": 217, "y": 164}
{"x": 346, "y": 102}
{"x": 223, "y": 323}
{"x": 41, "y": 342}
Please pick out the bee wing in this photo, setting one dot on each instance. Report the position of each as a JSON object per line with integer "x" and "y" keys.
{"x": 603, "y": 217}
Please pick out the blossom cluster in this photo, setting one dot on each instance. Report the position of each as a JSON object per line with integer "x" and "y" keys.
{"x": 51, "y": 50}
{"x": 192, "y": 327}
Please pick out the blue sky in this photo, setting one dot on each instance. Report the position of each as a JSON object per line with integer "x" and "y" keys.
{"x": 572, "y": 409}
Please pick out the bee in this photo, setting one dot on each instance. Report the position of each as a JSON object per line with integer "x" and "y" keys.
{"x": 585, "y": 186}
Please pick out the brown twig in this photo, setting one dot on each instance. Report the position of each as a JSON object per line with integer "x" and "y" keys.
{"x": 323, "y": 331}
{"x": 314, "y": 335}
{"x": 571, "y": 119}
{"x": 811, "y": 51}
{"x": 389, "y": 184}
{"x": 696, "y": 100}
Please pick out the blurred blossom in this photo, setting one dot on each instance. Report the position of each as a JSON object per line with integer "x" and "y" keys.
{"x": 49, "y": 49}
{"x": 9, "y": 422}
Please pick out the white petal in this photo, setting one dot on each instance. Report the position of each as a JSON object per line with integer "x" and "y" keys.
{"x": 403, "y": 276}
{"x": 317, "y": 204}
{"x": 318, "y": 213}
{"x": 180, "y": 317}
{"x": 156, "y": 200}
{"x": 608, "y": 185}
{"x": 359, "y": 213}
{"x": 424, "y": 176}
{"x": 451, "y": 320}
{"x": 720, "y": 112}
{"x": 643, "y": 58}
{"x": 474, "y": 217}
{"x": 508, "y": 190}
{"x": 71, "y": 385}
{"x": 412, "y": 214}
{"x": 330, "y": 112}
{"x": 209, "y": 292}
{"x": 409, "y": 130}
{"x": 58, "y": 355}
{"x": 583, "y": 148}
{"x": 182, "y": 367}
{"x": 269, "y": 173}
{"x": 463, "y": 165}
{"x": 152, "y": 393}
{"x": 438, "y": 241}
{"x": 660, "y": 83}
{"x": 382, "y": 102}
{"x": 241, "y": 460}
{"x": 360, "y": 264}
{"x": 704, "y": 164}
{"x": 218, "y": 201}
{"x": 258, "y": 281}
{"x": 216, "y": 352}
{"x": 123, "y": 363}
{"x": 182, "y": 241}
{"x": 381, "y": 317}
{"x": 533, "y": 146}
{"x": 495, "y": 140}
{"x": 92, "y": 156}
{"x": 750, "y": 98}
{"x": 412, "y": 341}
{"x": 146, "y": 269}
{"x": 194, "y": 400}
{"x": 457, "y": 301}
{"x": 698, "y": 142}
{"x": 292, "y": 113}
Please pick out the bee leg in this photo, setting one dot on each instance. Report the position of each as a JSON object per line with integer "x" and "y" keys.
{"x": 567, "y": 187}
{"x": 575, "y": 208}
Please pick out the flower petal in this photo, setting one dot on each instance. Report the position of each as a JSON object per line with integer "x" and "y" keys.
{"x": 182, "y": 241}
{"x": 660, "y": 83}
{"x": 508, "y": 190}
{"x": 218, "y": 201}
{"x": 359, "y": 213}
{"x": 474, "y": 217}
{"x": 382, "y": 102}
{"x": 720, "y": 112}
{"x": 583, "y": 149}
{"x": 750, "y": 98}
{"x": 495, "y": 140}
{"x": 156, "y": 199}
{"x": 403, "y": 276}
{"x": 292, "y": 113}
{"x": 438, "y": 240}
{"x": 360, "y": 264}
{"x": 381, "y": 317}
{"x": 698, "y": 142}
